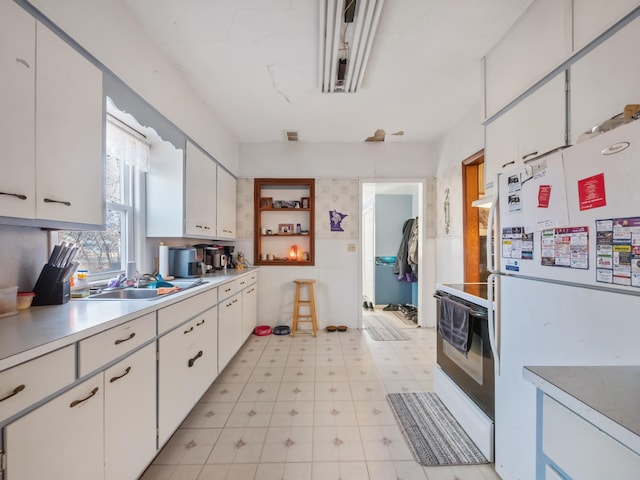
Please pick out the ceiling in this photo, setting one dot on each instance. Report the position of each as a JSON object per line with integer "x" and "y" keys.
{"x": 255, "y": 63}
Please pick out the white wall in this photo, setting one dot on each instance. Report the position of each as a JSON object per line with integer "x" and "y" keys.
{"x": 336, "y": 168}
{"x": 109, "y": 32}
{"x": 462, "y": 141}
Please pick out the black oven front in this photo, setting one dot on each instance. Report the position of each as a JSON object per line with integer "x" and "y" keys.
{"x": 474, "y": 374}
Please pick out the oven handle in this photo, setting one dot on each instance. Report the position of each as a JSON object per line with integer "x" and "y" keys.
{"x": 476, "y": 313}
{"x": 493, "y": 325}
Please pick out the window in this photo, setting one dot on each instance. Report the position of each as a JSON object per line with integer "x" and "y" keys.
{"x": 105, "y": 253}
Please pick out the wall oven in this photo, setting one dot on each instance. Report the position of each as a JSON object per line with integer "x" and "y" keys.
{"x": 466, "y": 383}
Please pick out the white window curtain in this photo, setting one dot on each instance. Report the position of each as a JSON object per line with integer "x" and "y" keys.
{"x": 127, "y": 147}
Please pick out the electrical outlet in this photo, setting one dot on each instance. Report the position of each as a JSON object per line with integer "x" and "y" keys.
{"x": 351, "y": 247}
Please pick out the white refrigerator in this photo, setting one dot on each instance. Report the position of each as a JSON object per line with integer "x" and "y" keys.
{"x": 566, "y": 282}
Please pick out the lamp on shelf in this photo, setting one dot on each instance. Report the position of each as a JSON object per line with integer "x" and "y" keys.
{"x": 347, "y": 29}
{"x": 293, "y": 253}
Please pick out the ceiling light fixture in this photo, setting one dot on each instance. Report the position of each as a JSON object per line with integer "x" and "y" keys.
{"x": 347, "y": 29}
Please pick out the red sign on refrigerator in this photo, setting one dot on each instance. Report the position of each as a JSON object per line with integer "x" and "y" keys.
{"x": 591, "y": 192}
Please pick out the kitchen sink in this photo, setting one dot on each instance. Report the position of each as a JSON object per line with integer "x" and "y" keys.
{"x": 132, "y": 293}
{"x": 127, "y": 294}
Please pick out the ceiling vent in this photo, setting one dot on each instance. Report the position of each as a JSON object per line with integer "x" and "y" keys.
{"x": 291, "y": 136}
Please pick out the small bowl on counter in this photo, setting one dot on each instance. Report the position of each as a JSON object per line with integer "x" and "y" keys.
{"x": 24, "y": 300}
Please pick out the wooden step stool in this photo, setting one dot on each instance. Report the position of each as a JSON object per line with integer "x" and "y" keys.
{"x": 310, "y": 303}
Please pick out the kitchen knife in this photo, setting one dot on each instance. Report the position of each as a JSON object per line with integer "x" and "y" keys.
{"x": 70, "y": 270}
{"x": 54, "y": 255}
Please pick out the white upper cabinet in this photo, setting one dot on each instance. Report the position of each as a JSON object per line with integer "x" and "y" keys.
{"x": 593, "y": 17}
{"x": 226, "y": 221}
{"x": 532, "y": 127}
{"x": 17, "y": 104}
{"x": 605, "y": 80}
{"x": 69, "y": 133}
{"x": 200, "y": 194}
{"x": 51, "y": 127}
{"x": 538, "y": 42}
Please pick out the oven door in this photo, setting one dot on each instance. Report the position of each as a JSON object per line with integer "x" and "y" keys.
{"x": 474, "y": 373}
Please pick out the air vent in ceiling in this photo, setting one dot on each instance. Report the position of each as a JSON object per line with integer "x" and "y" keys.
{"x": 291, "y": 136}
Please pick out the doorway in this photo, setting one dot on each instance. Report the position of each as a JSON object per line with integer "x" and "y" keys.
{"x": 386, "y": 208}
{"x": 474, "y": 219}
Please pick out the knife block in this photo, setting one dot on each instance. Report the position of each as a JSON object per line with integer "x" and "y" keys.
{"x": 50, "y": 289}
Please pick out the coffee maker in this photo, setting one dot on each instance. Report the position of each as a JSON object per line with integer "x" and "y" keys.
{"x": 228, "y": 252}
{"x": 184, "y": 263}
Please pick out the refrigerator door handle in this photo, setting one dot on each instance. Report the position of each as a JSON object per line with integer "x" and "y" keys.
{"x": 492, "y": 234}
{"x": 493, "y": 321}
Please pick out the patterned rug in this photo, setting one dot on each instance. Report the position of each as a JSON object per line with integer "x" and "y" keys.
{"x": 379, "y": 328}
{"x": 434, "y": 436}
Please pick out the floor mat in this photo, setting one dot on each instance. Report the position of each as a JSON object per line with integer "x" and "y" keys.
{"x": 434, "y": 436}
{"x": 380, "y": 329}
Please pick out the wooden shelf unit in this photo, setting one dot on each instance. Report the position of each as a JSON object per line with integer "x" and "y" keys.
{"x": 278, "y": 244}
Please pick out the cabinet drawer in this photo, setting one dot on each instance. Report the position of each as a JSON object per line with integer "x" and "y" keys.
{"x": 104, "y": 347}
{"x": 581, "y": 449}
{"x": 228, "y": 289}
{"x": 245, "y": 281}
{"x": 34, "y": 380}
{"x": 182, "y": 311}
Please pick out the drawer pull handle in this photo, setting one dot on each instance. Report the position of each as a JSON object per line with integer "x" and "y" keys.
{"x": 118, "y": 377}
{"x": 192, "y": 361}
{"x": 189, "y": 330}
{"x": 532, "y": 154}
{"x": 16, "y": 391}
{"x": 200, "y": 323}
{"x": 119, "y": 341}
{"x": 508, "y": 163}
{"x": 77, "y": 402}
{"x": 17, "y": 195}
{"x": 63, "y": 202}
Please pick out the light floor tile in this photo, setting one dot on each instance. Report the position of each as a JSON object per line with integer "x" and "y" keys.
{"x": 238, "y": 445}
{"x": 407, "y": 470}
{"x": 250, "y": 414}
{"x": 302, "y": 408}
{"x": 296, "y": 391}
{"x": 259, "y": 392}
{"x": 284, "y": 471}
{"x": 188, "y": 446}
{"x": 209, "y": 415}
{"x": 340, "y": 471}
{"x": 385, "y": 443}
{"x": 228, "y": 472}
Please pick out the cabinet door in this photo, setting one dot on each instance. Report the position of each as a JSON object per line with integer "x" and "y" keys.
{"x": 249, "y": 310}
{"x": 17, "y": 104}
{"x": 229, "y": 329}
{"x": 591, "y": 18}
{"x": 204, "y": 366}
{"x": 226, "y": 191}
{"x": 130, "y": 414}
{"x": 537, "y": 43}
{"x": 64, "y": 438}
{"x": 187, "y": 366}
{"x": 69, "y": 133}
{"x": 200, "y": 194}
{"x": 532, "y": 127}
{"x": 605, "y": 80}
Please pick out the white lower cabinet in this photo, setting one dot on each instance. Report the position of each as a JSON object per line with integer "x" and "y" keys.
{"x": 187, "y": 366}
{"x": 229, "y": 329}
{"x": 61, "y": 440}
{"x": 580, "y": 449}
{"x": 249, "y": 310}
{"x": 130, "y": 415}
{"x": 103, "y": 428}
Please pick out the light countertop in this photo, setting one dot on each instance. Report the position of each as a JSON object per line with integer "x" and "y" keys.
{"x": 41, "y": 330}
{"x": 606, "y": 396}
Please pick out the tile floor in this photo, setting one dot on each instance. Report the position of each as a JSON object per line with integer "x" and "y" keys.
{"x": 305, "y": 408}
